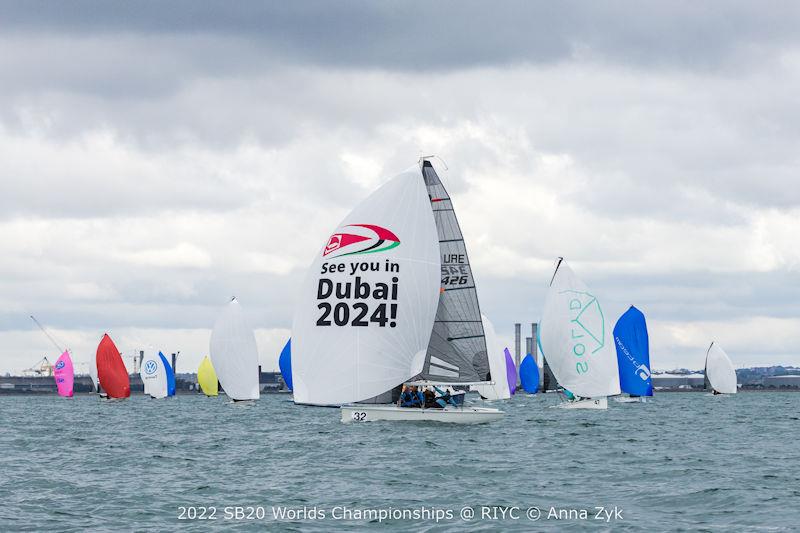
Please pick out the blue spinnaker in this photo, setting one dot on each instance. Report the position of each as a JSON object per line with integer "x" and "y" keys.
{"x": 170, "y": 375}
{"x": 633, "y": 353}
{"x": 285, "y": 364}
{"x": 529, "y": 374}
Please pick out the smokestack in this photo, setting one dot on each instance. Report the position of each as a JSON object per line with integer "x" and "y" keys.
{"x": 528, "y": 345}
{"x": 141, "y": 358}
{"x": 174, "y": 363}
{"x": 535, "y": 348}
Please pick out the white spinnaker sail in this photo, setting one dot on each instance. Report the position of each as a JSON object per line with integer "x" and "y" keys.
{"x": 576, "y": 338}
{"x": 154, "y": 375}
{"x": 234, "y": 354}
{"x": 719, "y": 370}
{"x": 350, "y": 346}
{"x": 498, "y": 388}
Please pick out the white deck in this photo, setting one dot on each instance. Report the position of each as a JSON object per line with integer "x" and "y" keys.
{"x": 450, "y": 414}
{"x": 589, "y": 403}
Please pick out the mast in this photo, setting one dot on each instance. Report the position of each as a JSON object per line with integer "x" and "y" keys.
{"x": 558, "y": 264}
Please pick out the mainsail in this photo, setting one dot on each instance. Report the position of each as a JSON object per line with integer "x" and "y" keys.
{"x": 111, "y": 372}
{"x": 457, "y": 349}
{"x": 285, "y": 364}
{"x": 207, "y": 378}
{"x": 234, "y": 354}
{"x": 575, "y": 337}
{"x": 64, "y": 374}
{"x": 719, "y": 370}
{"x": 154, "y": 376}
{"x": 633, "y": 353}
{"x": 366, "y": 308}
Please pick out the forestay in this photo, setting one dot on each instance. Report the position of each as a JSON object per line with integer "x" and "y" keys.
{"x": 633, "y": 353}
{"x": 575, "y": 337}
{"x": 234, "y": 354}
{"x": 367, "y": 305}
{"x": 719, "y": 370}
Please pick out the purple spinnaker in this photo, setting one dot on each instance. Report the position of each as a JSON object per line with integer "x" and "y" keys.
{"x": 64, "y": 374}
{"x": 511, "y": 373}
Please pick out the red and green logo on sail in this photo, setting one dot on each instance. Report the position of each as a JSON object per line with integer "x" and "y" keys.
{"x": 365, "y": 239}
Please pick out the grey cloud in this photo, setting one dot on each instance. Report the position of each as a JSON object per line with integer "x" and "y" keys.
{"x": 434, "y": 35}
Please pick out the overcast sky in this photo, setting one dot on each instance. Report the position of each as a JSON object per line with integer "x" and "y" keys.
{"x": 158, "y": 157}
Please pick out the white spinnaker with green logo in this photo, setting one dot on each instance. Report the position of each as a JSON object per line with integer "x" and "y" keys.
{"x": 576, "y": 338}
{"x": 340, "y": 355}
{"x": 719, "y": 370}
{"x": 234, "y": 354}
{"x": 154, "y": 375}
{"x": 497, "y": 389}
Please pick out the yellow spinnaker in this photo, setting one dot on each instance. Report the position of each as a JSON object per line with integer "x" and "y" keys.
{"x": 207, "y": 378}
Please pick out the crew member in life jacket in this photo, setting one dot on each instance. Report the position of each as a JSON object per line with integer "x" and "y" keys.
{"x": 411, "y": 397}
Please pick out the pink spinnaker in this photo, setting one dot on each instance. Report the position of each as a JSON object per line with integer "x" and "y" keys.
{"x": 64, "y": 373}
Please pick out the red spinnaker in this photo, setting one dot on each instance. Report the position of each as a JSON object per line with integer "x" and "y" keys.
{"x": 111, "y": 371}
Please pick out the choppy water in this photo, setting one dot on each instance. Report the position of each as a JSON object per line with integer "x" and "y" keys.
{"x": 684, "y": 461}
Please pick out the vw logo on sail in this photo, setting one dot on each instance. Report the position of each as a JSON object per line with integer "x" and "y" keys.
{"x": 150, "y": 367}
{"x": 60, "y": 365}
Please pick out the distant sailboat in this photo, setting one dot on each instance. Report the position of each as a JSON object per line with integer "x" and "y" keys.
{"x": 498, "y": 387}
{"x": 633, "y": 356}
{"x": 390, "y": 299}
{"x": 207, "y": 378}
{"x": 64, "y": 374}
{"x": 719, "y": 370}
{"x": 511, "y": 372}
{"x": 170, "y": 374}
{"x": 529, "y": 374}
{"x": 234, "y": 354}
{"x": 574, "y": 337}
{"x": 93, "y": 375}
{"x": 111, "y": 372}
{"x": 154, "y": 376}
{"x": 285, "y": 364}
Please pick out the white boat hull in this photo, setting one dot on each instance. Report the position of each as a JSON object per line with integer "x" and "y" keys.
{"x": 628, "y": 399}
{"x": 450, "y": 414}
{"x": 589, "y": 403}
